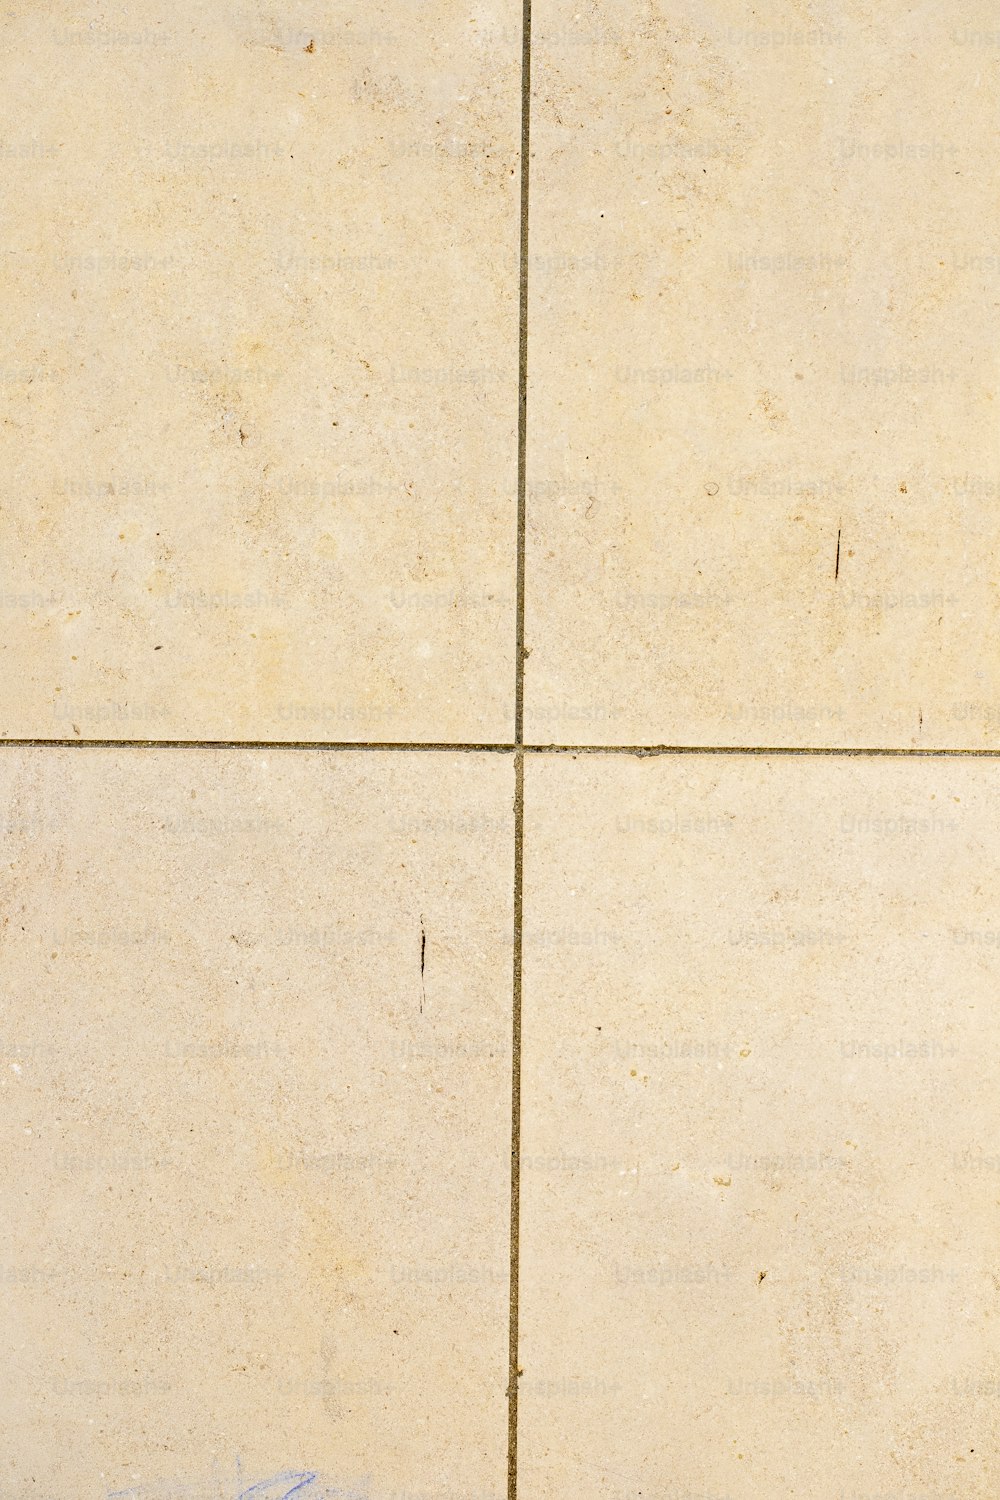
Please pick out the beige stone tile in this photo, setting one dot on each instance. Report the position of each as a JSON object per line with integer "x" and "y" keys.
{"x": 763, "y": 319}
{"x": 259, "y": 313}
{"x": 759, "y": 1155}
{"x": 255, "y": 1167}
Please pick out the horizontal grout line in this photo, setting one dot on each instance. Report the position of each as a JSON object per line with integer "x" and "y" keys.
{"x": 649, "y": 750}
{"x": 468, "y": 748}
{"x": 368, "y": 745}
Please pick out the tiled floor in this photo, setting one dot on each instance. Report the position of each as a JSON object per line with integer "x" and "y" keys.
{"x": 498, "y": 752}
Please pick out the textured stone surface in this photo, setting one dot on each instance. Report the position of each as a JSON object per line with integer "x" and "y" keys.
{"x": 259, "y": 464}
{"x": 255, "y": 1165}
{"x": 763, "y": 329}
{"x": 258, "y": 469}
{"x": 759, "y": 1164}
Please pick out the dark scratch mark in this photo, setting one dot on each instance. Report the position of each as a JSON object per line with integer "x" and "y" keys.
{"x": 423, "y": 956}
{"x": 836, "y": 571}
{"x": 760, "y": 1276}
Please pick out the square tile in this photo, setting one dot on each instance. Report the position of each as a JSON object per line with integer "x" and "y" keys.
{"x": 256, "y": 1132}
{"x": 760, "y": 1118}
{"x": 258, "y": 472}
{"x": 763, "y": 457}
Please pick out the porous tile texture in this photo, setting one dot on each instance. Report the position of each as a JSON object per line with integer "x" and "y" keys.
{"x": 256, "y": 1122}
{"x": 759, "y": 1166}
{"x": 258, "y": 467}
{"x": 763, "y": 451}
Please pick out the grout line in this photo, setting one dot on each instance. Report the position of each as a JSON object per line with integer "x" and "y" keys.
{"x": 513, "y": 1369}
{"x": 845, "y": 751}
{"x": 513, "y": 1323}
{"x": 494, "y": 748}
{"x": 420, "y": 745}
{"x": 522, "y": 375}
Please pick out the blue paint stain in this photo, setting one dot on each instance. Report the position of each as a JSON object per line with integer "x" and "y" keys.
{"x": 289, "y": 1484}
{"x": 282, "y": 1487}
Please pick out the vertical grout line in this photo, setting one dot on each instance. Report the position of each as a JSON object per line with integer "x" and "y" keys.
{"x": 513, "y": 1327}
{"x": 522, "y": 374}
{"x": 515, "y": 1130}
